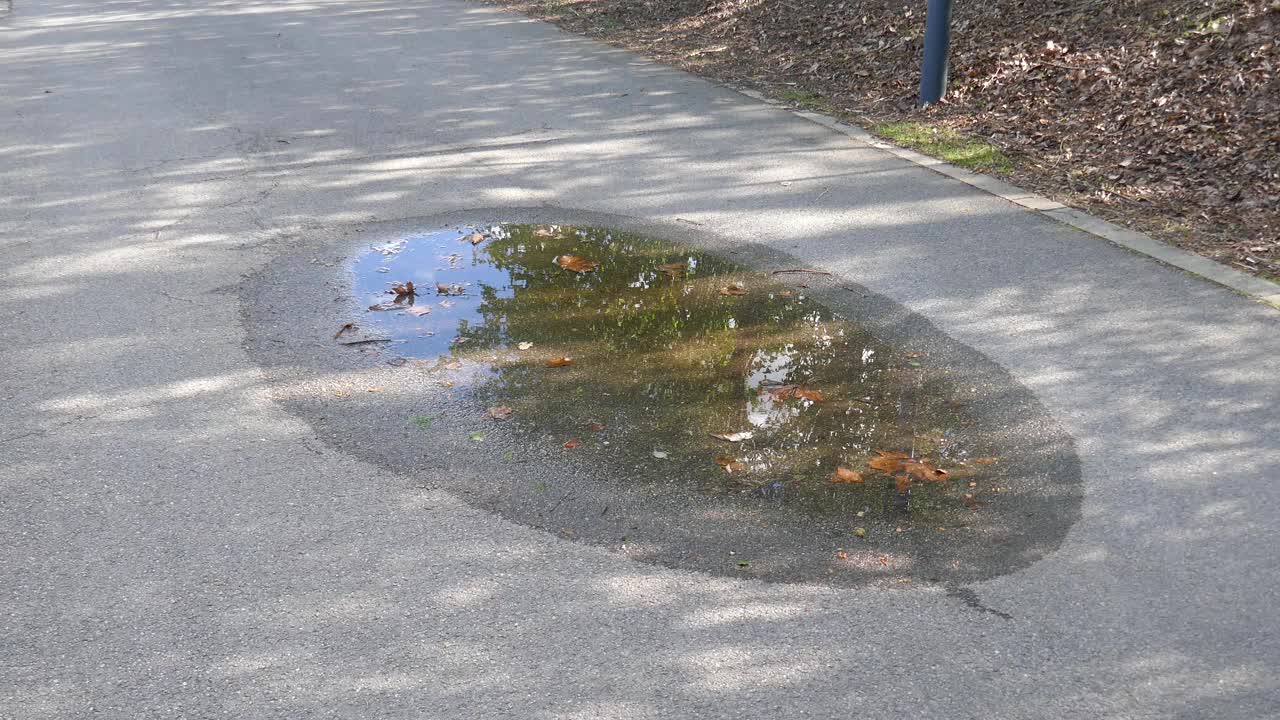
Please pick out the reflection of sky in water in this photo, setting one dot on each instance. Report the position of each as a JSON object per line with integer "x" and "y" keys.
{"x": 444, "y": 257}
{"x": 769, "y": 369}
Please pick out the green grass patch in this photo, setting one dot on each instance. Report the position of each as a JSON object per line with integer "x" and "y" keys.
{"x": 806, "y": 99}
{"x": 945, "y": 144}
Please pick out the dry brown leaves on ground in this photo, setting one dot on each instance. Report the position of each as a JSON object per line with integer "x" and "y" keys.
{"x": 576, "y": 264}
{"x": 1160, "y": 115}
{"x": 847, "y": 476}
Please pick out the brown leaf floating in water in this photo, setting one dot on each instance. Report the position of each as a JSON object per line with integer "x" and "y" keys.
{"x": 844, "y": 475}
{"x": 576, "y": 264}
{"x": 674, "y": 270}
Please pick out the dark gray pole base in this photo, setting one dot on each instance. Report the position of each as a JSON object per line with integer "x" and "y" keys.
{"x": 937, "y": 43}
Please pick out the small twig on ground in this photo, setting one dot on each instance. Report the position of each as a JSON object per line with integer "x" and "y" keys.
{"x": 801, "y": 270}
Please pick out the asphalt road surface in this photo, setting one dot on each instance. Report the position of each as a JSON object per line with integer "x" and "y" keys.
{"x": 178, "y": 541}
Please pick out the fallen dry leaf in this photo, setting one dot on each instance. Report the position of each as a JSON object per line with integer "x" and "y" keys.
{"x": 443, "y": 289}
{"x": 914, "y": 355}
{"x": 500, "y": 412}
{"x": 733, "y": 436}
{"x": 525, "y": 345}
{"x": 885, "y": 464}
{"x": 595, "y": 426}
{"x": 383, "y": 307}
{"x": 784, "y": 294}
{"x": 405, "y": 290}
{"x": 571, "y": 444}
{"x": 733, "y": 289}
{"x": 729, "y": 464}
{"x": 902, "y": 483}
{"x": 544, "y": 232}
{"x": 418, "y": 310}
{"x": 475, "y": 238}
{"x": 576, "y": 264}
{"x": 373, "y": 389}
{"x": 559, "y": 362}
{"x": 842, "y": 555}
{"x": 925, "y": 470}
{"x": 984, "y": 461}
{"x": 661, "y": 454}
{"x": 349, "y": 327}
{"x": 847, "y": 476}
{"x": 781, "y": 392}
{"x": 860, "y": 532}
{"x": 674, "y": 270}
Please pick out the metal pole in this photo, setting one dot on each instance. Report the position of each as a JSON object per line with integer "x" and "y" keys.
{"x": 937, "y": 40}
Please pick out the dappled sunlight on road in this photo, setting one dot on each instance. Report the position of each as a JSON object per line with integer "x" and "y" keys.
{"x": 168, "y": 523}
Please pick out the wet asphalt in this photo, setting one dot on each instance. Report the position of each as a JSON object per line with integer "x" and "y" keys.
{"x": 188, "y": 532}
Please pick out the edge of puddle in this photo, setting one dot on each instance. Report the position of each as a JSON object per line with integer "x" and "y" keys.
{"x": 314, "y": 272}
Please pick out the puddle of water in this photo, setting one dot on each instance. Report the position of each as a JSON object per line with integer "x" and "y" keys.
{"x": 669, "y": 347}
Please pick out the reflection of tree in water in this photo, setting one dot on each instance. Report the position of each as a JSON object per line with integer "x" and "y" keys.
{"x": 664, "y": 361}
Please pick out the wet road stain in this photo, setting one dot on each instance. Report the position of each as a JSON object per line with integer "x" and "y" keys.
{"x": 674, "y": 366}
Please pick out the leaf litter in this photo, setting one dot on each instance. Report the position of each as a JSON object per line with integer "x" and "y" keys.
{"x": 1152, "y": 114}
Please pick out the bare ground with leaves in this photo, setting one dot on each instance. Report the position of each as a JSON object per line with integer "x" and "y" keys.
{"x": 1164, "y": 116}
